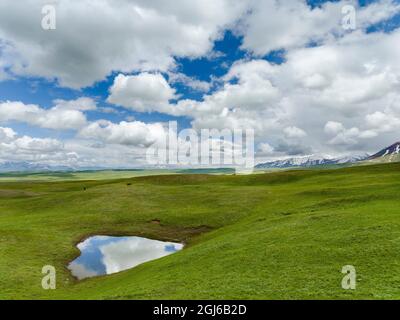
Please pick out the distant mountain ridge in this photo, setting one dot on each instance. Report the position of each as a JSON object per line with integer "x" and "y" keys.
{"x": 23, "y": 166}
{"x": 386, "y": 155}
{"x": 308, "y": 161}
{"x": 389, "y": 154}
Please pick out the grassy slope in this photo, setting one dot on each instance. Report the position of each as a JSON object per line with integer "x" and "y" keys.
{"x": 271, "y": 236}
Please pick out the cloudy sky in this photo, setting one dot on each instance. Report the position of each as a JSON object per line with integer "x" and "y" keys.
{"x": 99, "y": 89}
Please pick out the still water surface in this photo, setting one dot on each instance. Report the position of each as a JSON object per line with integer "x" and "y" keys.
{"x": 102, "y": 255}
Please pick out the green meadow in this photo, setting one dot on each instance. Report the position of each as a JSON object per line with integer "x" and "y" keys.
{"x": 278, "y": 235}
{"x": 102, "y": 174}
{"x": 80, "y": 175}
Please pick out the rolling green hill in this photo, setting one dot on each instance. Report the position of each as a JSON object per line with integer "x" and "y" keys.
{"x": 277, "y": 235}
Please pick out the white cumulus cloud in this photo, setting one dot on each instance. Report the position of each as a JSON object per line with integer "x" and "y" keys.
{"x": 144, "y": 92}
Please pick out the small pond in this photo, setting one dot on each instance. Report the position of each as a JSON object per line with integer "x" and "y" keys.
{"x": 102, "y": 255}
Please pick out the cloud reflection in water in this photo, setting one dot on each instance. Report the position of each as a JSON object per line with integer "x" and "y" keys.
{"x": 105, "y": 255}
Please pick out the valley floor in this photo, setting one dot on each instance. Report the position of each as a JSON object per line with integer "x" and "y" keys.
{"x": 281, "y": 235}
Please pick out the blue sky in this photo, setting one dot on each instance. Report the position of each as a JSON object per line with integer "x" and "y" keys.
{"x": 42, "y": 92}
{"x": 244, "y": 58}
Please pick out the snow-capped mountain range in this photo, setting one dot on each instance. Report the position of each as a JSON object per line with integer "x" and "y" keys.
{"x": 389, "y": 154}
{"x": 23, "y": 166}
{"x": 309, "y": 161}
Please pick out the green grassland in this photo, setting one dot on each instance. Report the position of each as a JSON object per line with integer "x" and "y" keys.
{"x": 103, "y": 174}
{"x": 80, "y": 175}
{"x": 279, "y": 235}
